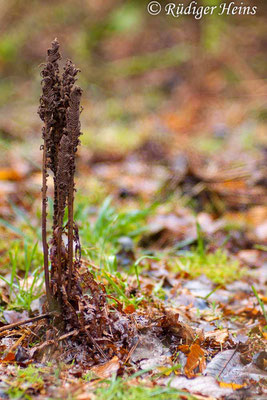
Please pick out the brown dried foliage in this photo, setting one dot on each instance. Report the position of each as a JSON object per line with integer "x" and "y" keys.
{"x": 92, "y": 327}
{"x": 60, "y": 111}
{"x": 80, "y": 300}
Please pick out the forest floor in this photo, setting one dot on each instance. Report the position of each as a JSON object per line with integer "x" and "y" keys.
{"x": 171, "y": 210}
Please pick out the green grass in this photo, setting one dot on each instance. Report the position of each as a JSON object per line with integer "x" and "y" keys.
{"x": 120, "y": 391}
{"x": 217, "y": 266}
{"x": 124, "y": 389}
{"x": 100, "y": 235}
{"x": 261, "y": 304}
{"x": 31, "y": 380}
{"x": 22, "y": 291}
{"x": 27, "y": 378}
{"x": 22, "y": 261}
{"x": 100, "y": 238}
{"x": 99, "y": 243}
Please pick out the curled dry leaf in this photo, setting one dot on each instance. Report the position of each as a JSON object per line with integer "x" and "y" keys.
{"x": 181, "y": 329}
{"x": 195, "y": 359}
{"x": 107, "y": 369}
{"x": 218, "y": 336}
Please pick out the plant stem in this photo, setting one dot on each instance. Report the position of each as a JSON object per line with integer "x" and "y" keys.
{"x": 26, "y": 321}
{"x": 44, "y": 215}
{"x": 70, "y": 232}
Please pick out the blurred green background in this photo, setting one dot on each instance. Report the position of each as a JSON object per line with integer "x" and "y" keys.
{"x": 180, "y": 81}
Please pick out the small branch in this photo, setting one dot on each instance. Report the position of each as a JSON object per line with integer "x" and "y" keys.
{"x": 227, "y": 362}
{"x": 75, "y": 332}
{"x": 132, "y": 350}
{"x": 26, "y": 321}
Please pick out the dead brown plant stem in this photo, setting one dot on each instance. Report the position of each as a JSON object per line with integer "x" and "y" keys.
{"x": 26, "y": 321}
{"x": 44, "y": 229}
{"x": 59, "y": 242}
{"x": 59, "y": 269}
{"x": 70, "y": 233}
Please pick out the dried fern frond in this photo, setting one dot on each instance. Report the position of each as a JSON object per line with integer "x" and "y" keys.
{"x": 46, "y": 111}
{"x": 63, "y": 173}
{"x": 73, "y": 131}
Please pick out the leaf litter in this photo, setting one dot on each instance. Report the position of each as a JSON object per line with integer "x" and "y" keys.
{"x": 196, "y": 321}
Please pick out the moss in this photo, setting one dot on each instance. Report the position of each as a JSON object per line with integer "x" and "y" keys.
{"x": 217, "y": 266}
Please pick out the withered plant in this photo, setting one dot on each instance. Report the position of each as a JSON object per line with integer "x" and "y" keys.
{"x": 60, "y": 111}
{"x": 76, "y": 297}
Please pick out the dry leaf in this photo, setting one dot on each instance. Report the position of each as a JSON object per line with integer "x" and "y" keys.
{"x": 184, "y": 348}
{"x": 181, "y": 329}
{"x": 204, "y": 385}
{"x": 12, "y": 316}
{"x": 219, "y": 336}
{"x": 233, "y": 386}
{"x": 108, "y": 369}
{"x": 196, "y": 358}
{"x": 129, "y": 309}
{"x": 10, "y": 174}
{"x": 222, "y": 363}
{"x": 9, "y": 357}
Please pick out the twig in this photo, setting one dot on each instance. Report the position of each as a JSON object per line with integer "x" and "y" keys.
{"x": 228, "y": 361}
{"x": 132, "y": 350}
{"x": 76, "y": 332}
{"x": 15, "y": 345}
{"x": 67, "y": 335}
{"x": 26, "y": 321}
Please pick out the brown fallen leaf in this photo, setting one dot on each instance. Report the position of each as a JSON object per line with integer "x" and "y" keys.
{"x": 233, "y": 386}
{"x": 184, "y": 348}
{"x": 107, "y": 369}
{"x": 12, "y": 316}
{"x": 249, "y": 257}
{"x": 129, "y": 309}
{"x": 196, "y": 358}
{"x": 261, "y": 360}
{"x": 171, "y": 321}
{"x": 10, "y": 174}
{"x": 201, "y": 385}
{"x": 218, "y": 336}
{"x": 8, "y": 358}
{"x": 85, "y": 396}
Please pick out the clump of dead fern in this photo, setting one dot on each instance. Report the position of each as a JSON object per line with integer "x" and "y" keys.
{"x": 79, "y": 301}
{"x": 60, "y": 111}
{"x": 92, "y": 329}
